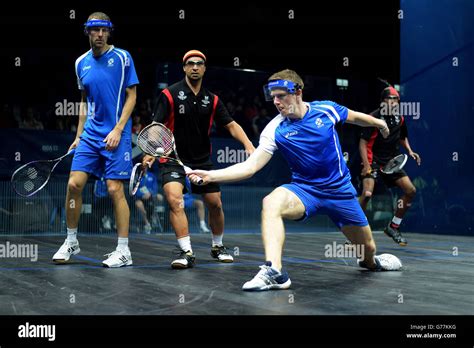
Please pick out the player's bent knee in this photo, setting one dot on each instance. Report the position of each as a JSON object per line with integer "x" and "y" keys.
{"x": 270, "y": 206}
{"x": 74, "y": 187}
{"x": 114, "y": 189}
{"x": 175, "y": 202}
{"x": 215, "y": 206}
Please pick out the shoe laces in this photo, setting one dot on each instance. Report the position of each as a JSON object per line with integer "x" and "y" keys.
{"x": 115, "y": 252}
{"x": 264, "y": 270}
{"x": 221, "y": 249}
{"x": 180, "y": 252}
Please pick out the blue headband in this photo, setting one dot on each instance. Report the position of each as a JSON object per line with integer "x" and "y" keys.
{"x": 290, "y": 87}
{"x": 98, "y": 23}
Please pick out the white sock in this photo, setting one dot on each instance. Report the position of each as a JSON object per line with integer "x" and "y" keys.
{"x": 185, "y": 243}
{"x": 202, "y": 223}
{"x": 217, "y": 240}
{"x": 397, "y": 221}
{"x": 72, "y": 235}
{"x": 122, "y": 243}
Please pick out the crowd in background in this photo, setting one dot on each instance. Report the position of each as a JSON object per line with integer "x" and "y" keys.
{"x": 249, "y": 111}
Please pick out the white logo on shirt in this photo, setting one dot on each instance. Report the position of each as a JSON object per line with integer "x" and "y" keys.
{"x": 181, "y": 95}
{"x": 289, "y": 134}
{"x": 319, "y": 122}
{"x": 127, "y": 61}
{"x": 86, "y": 67}
{"x": 110, "y": 62}
{"x": 205, "y": 101}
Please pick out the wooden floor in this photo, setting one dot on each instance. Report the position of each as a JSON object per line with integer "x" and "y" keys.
{"x": 433, "y": 282}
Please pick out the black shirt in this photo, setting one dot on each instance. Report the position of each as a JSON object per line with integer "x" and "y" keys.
{"x": 190, "y": 118}
{"x": 382, "y": 150}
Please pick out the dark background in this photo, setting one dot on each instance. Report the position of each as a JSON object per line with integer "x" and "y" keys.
{"x": 315, "y": 42}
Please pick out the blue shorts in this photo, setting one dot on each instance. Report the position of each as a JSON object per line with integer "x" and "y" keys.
{"x": 342, "y": 211}
{"x": 92, "y": 157}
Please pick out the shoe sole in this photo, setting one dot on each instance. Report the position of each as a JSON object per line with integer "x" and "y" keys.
{"x": 286, "y": 285}
{"x": 223, "y": 261}
{"x": 401, "y": 243}
{"x": 180, "y": 266}
{"x": 175, "y": 266}
{"x": 128, "y": 263}
{"x": 63, "y": 261}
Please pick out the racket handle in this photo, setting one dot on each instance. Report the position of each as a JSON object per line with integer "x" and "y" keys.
{"x": 187, "y": 170}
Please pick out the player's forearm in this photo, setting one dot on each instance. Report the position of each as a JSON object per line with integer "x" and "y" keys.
{"x": 364, "y": 120}
{"x": 406, "y": 145}
{"x": 82, "y": 117}
{"x": 80, "y": 125}
{"x": 241, "y": 171}
{"x": 238, "y": 134}
{"x": 127, "y": 110}
{"x": 237, "y": 172}
{"x": 363, "y": 153}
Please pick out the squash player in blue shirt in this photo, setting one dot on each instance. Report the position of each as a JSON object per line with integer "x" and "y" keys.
{"x": 321, "y": 183}
{"x": 107, "y": 79}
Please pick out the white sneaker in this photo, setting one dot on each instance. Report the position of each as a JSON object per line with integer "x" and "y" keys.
{"x": 66, "y": 251}
{"x": 389, "y": 262}
{"x": 118, "y": 258}
{"x": 268, "y": 278}
{"x": 220, "y": 253}
{"x": 384, "y": 262}
{"x": 185, "y": 259}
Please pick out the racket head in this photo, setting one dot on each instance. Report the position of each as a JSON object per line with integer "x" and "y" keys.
{"x": 154, "y": 137}
{"x": 135, "y": 179}
{"x": 395, "y": 164}
{"x": 32, "y": 177}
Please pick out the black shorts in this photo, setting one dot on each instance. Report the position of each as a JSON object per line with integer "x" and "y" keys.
{"x": 172, "y": 172}
{"x": 388, "y": 179}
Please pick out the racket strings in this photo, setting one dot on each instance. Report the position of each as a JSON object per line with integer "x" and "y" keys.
{"x": 30, "y": 178}
{"x": 394, "y": 163}
{"x": 155, "y": 137}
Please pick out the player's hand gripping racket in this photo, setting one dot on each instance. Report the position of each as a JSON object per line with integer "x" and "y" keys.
{"x": 33, "y": 176}
{"x": 395, "y": 164}
{"x": 158, "y": 141}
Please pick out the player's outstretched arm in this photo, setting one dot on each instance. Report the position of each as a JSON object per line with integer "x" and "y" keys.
{"x": 82, "y": 120}
{"x": 240, "y": 171}
{"x": 365, "y": 120}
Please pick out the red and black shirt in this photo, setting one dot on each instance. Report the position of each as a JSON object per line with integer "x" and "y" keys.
{"x": 190, "y": 118}
{"x": 381, "y": 150}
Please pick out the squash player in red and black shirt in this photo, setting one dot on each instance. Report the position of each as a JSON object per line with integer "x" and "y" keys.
{"x": 188, "y": 110}
{"x": 376, "y": 151}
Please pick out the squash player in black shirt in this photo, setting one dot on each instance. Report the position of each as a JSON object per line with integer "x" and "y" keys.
{"x": 189, "y": 110}
{"x": 376, "y": 151}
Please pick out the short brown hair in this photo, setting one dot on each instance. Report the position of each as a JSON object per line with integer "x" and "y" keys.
{"x": 289, "y": 75}
{"x": 99, "y": 15}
